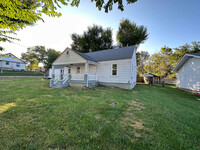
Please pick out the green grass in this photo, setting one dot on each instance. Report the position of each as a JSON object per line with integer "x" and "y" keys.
{"x": 20, "y": 73}
{"x": 34, "y": 116}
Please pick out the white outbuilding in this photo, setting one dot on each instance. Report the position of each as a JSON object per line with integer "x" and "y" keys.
{"x": 188, "y": 72}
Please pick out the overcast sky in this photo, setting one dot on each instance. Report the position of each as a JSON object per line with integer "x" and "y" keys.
{"x": 169, "y": 22}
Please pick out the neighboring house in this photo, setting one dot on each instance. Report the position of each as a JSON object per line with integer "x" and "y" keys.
{"x": 114, "y": 67}
{"x": 188, "y": 72}
{"x": 11, "y": 62}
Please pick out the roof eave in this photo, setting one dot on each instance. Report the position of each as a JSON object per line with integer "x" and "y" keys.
{"x": 183, "y": 60}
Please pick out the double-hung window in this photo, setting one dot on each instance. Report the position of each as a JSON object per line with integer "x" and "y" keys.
{"x": 114, "y": 69}
{"x": 17, "y": 64}
{"x": 7, "y": 62}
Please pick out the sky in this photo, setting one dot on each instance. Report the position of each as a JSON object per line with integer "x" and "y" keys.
{"x": 169, "y": 23}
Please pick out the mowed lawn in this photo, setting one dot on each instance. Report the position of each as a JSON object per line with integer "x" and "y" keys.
{"x": 34, "y": 116}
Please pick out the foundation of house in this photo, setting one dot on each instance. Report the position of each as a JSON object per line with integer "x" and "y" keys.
{"x": 119, "y": 85}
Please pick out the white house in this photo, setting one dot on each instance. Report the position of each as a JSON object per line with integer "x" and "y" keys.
{"x": 57, "y": 71}
{"x": 114, "y": 67}
{"x": 11, "y": 62}
{"x": 188, "y": 72}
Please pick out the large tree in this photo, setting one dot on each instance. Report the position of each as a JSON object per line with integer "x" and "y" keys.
{"x": 131, "y": 34}
{"x": 17, "y": 14}
{"x": 30, "y": 59}
{"x": 95, "y": 38}
{"x": 39, "y": 54}
{"x": 142, "y": 59}
{"x": 163, "y": 62}
{"x": 52, "y": 54}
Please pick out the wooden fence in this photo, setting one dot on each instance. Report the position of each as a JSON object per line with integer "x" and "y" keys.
{"x": 140, "y": 79}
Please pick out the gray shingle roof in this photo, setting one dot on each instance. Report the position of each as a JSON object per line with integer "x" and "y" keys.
{"x": 84, "y": 55}
{"x": 195, "y": 54}
{"x": 111, "y": 54}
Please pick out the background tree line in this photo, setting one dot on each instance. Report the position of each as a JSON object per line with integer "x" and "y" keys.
{"x": 39, "y": 54}
{"x": 97, "y": 38}
{"x": 163, "y": 62}
{"x": 18, "y": 14}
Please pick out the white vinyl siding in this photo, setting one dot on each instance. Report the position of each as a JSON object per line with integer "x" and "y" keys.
{"x": 12, "y": 65}
{"x": 188, "y": 76}
{"x": 104, "y": 71}
{"x": 70, "y": 58}
{"x": 133, "y": 70}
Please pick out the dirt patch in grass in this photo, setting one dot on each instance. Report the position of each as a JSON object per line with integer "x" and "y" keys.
{"x": 131, "y": 120}
{"x": 113, "y": 104}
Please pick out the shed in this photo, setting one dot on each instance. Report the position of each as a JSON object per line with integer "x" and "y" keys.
{"x": 151, "y": 79}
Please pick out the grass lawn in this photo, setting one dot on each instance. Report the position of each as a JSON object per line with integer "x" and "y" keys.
{"x": 20, "y": 73}
{"x": 34, "y": 116}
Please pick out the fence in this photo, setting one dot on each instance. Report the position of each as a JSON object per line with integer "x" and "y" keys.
{"x": 140, "y": 79}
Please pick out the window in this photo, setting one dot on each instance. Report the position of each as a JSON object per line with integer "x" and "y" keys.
{"x": 78, "y": 70}
{"x": 67, "y": 52}
{"x": 114, "y": 69}
{"x": 61, "y": 71}
{"x": 17, "y": 64}
{"x": 7, "y": 62}
{"x": 69, "y": 70}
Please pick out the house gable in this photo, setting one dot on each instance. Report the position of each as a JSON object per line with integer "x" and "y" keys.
{"x": 9, "y": 57}
{"x": 184, "y": 59}
{"x": 69, "y": 57}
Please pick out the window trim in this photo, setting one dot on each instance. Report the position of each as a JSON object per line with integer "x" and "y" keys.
{"x": 114, "y": 69}
{"x": 17, "y": 64}
{"x": 7, "y": 62}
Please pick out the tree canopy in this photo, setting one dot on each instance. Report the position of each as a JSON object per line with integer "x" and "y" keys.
{"x": 163, "y": 62}
{"x": 52, "y": 55}
{"x": 39, "y": 54}
{"x": 130, "y": 34}
{"x": 17, "y": 14}
{"x": 142, "y": 59}
{"x": 95, "y": 38}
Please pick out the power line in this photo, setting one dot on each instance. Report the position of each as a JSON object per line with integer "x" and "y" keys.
{"x": 20, "y": 45}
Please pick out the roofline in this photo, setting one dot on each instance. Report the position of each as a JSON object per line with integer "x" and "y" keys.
{"x": 96, "y": 62}
{"x": 176, "y": 68}
{"x": 74, "y": 52}
{"x": 134, "y": 47}
{"x": 22, "y": 62}
{"x": 114, "y": 59}
{"x": 193, "y": 55}
{"x": 11, "y": 54}
{"x": 14, "y": 56}
{"x": 59, "y": 55}
{"x": 82, "y": 56}
{"x": 112, "y": 49}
